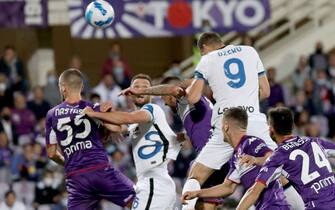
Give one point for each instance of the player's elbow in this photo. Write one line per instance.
(193, 98)
(51, 154)
(266, 93)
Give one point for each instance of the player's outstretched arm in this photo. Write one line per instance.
(264, 87)
(119, 118)
(54, 154)
(159, 90)
(222, 190)
(251, 196)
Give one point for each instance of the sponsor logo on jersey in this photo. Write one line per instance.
(249, 109)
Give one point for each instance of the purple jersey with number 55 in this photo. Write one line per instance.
(303, 160)
(77, 135)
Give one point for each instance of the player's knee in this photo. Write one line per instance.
(200, 172)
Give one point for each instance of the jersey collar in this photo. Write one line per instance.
(243, 138)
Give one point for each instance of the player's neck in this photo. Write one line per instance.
(281, 139)
(72, 99)
(237, 138)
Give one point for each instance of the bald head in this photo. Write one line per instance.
(72, 79)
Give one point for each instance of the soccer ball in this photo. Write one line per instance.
(99, 13)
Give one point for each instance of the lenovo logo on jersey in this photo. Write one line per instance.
(81, 145)
(249, 109)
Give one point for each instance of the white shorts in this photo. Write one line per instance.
(155, 193)
(217, 152)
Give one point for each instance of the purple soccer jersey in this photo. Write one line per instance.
(273, 197)
(303, 160)
(77, 135)
(90, 178)
(197, 121)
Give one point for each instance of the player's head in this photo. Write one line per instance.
(281, 122)
(141, 81)
(235, 121)
(70, 83)
(10, 198)
(170, 101)
(209, 41)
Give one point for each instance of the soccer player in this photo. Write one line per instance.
(153, 145)
(237, 78)
(89, 177)
(303, 160)
(196, 119)
(235, 123)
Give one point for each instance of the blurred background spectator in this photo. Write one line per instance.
(117, 66)
(11, 203)
(12, 67)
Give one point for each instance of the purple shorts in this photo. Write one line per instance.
(86, 189)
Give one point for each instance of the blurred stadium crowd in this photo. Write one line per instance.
(30, 181)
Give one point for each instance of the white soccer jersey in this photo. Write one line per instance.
(154, 142)
(232, 73)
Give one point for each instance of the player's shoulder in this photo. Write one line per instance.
(52, 111)
(152, 108)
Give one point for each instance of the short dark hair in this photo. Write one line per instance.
(10, 47)
(73, 78)
(281, 119)
(209, 38)
(141, 76)
(237, 114)
(10, 192)
(168, 80)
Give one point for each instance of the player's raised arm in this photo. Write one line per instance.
(264, 86)
(222, 190)
(159, 90)
(194, 92)
(251, 196)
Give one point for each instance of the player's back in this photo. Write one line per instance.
(307, 167)
(232, 73)
(77, 135)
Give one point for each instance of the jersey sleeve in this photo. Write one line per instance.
(259, 64)
(257, 147)
(272, 169)
(233, 175)
(50, 134)
(201, 71)
(328, 146)
(96, 107)
(150, 109)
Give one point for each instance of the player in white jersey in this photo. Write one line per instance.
(237, 78)
(153, 145)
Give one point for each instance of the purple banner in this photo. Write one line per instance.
(156, 18)
(23, 13)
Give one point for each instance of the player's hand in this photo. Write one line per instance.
(106, 106)
(130, 92)
(247, 160)
(188, 196)
(181, 137)
(88, 111)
